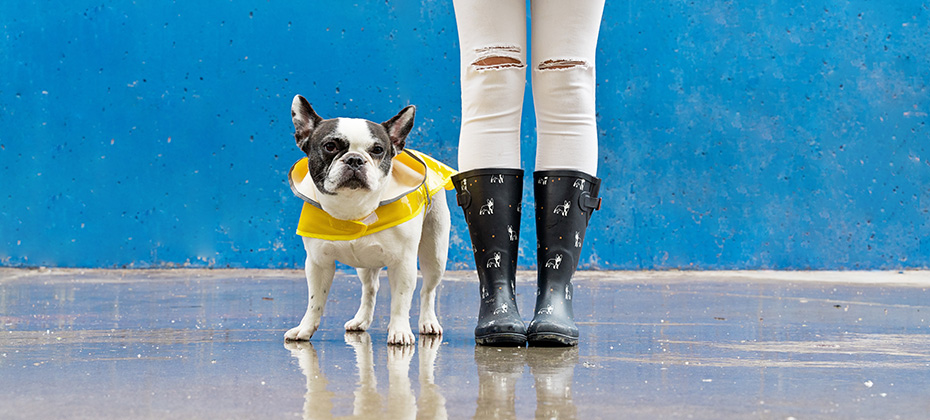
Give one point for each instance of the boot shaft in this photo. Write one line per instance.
(565, 201)
(491, 200)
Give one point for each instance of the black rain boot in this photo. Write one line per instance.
(564, 203)
(491, 201)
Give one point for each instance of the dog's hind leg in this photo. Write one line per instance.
(366, 308)
(433, 252)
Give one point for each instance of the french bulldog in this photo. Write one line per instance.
(350, 164)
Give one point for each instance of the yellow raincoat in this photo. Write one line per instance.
(417, 176)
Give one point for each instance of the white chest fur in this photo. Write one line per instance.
(379, 249)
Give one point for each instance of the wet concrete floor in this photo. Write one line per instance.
(209, 344)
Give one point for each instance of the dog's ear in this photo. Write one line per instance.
(305, 121)
(399, 126)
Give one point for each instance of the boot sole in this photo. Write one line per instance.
(501, 340)
(552, 340)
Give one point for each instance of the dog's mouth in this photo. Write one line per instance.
(352, 179)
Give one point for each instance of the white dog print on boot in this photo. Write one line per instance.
(495, 261)
(487, 208)
(554, 263)
(563, 208)
(512, 233)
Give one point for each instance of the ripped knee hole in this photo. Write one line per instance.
(491, 58)
(497, 62)
(561, 64)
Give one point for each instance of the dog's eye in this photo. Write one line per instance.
(330, 146)
(377, 150)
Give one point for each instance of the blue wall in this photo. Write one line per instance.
(784, 135)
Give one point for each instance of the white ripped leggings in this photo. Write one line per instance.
(492, 38)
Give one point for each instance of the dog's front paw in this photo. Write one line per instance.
(356, 324)
(430, 327)
(302, 332)
(401, 336)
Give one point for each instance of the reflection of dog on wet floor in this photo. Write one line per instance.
(399, 403)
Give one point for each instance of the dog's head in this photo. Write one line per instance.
(346, 156)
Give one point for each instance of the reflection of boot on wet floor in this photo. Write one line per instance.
(553, 369)
(318, 402)
(499, 368)
(432, 405)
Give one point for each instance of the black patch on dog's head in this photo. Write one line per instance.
(323, 147)
(387, 149)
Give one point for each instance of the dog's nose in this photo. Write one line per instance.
(354, 162)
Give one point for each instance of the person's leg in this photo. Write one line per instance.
(564, 46)
(492, 38)
(492, 42)
(565, 186)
